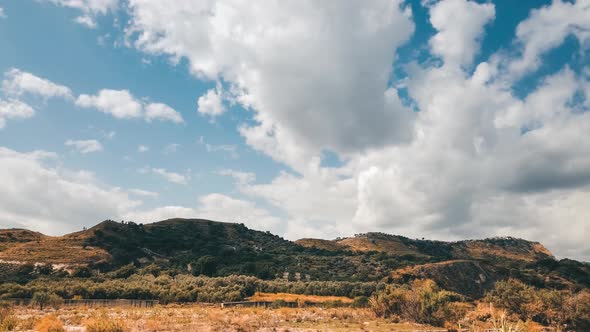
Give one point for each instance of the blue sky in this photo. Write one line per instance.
(444, 119)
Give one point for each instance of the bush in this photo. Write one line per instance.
(516, 297)
(44, 299)
(278, 303)
(360, 302)
(549, 307)
(104, 325)
(8, 321)
(49, 323)
(422, 301)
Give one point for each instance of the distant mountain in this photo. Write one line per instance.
(213, 248)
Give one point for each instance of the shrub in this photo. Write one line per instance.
(8, 321)
(360, 302)
(43, 299)
(104, 325)
(516, 297)
(422, 301)
(49, 323)
(549, 307)
(577, 311)
(278, 303)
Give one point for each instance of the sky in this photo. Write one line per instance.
(446, 119)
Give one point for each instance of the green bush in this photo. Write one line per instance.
(421, 301)
(360, 302)
(44, 299)
(549, 307)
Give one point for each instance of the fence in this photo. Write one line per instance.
(92, 303)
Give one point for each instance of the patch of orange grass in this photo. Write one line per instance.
(49, 323)
(288, 297)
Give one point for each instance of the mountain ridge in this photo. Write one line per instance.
(206, 247)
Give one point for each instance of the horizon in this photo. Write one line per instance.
(507, 237)
(446, 120)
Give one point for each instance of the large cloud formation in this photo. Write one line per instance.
(458, 154)
(472, 159)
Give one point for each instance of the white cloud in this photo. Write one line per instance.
(211, 103)
(53, 200)
(143, 148)
(123, 105)
(86, 20)
(217, 207)
(160, 213)
(119, 103)
(230, 149)
(14, 109)
(547, 28)
(143, 193)
(476, 160)
(17, 83)
(457, 38)
(170, 176)
(159, 111)
(239, 176)
(2, 13)
(89, 8)
(85, 146)
(469, 171)
(225, 208)
(313, 72)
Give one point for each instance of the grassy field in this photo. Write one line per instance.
(202, 318)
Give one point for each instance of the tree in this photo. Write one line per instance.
(44, 299)
(206, 265)
(516, 297)
(421, 301)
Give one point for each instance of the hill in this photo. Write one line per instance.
(210, 248)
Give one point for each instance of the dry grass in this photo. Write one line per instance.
(208, 319)
(321, 244)
(49, 323)
(287, 297)
(391, 246)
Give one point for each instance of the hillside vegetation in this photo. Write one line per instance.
(112, 250)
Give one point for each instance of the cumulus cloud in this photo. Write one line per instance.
(119, 103)
(217, 207)
(17, 83)
(479, 161)
(2, 13)
(89, 8)
(123, 105)
(547, 28)
(143, 148)
(86, 20)
(313, 72)
(14, 109)
(239, 176)
(457, 37)
(159, 111)
(211, 103)
(170, 176)
(85, 146)
(53, 200)
(474, 160)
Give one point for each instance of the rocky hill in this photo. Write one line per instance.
(205, 247)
